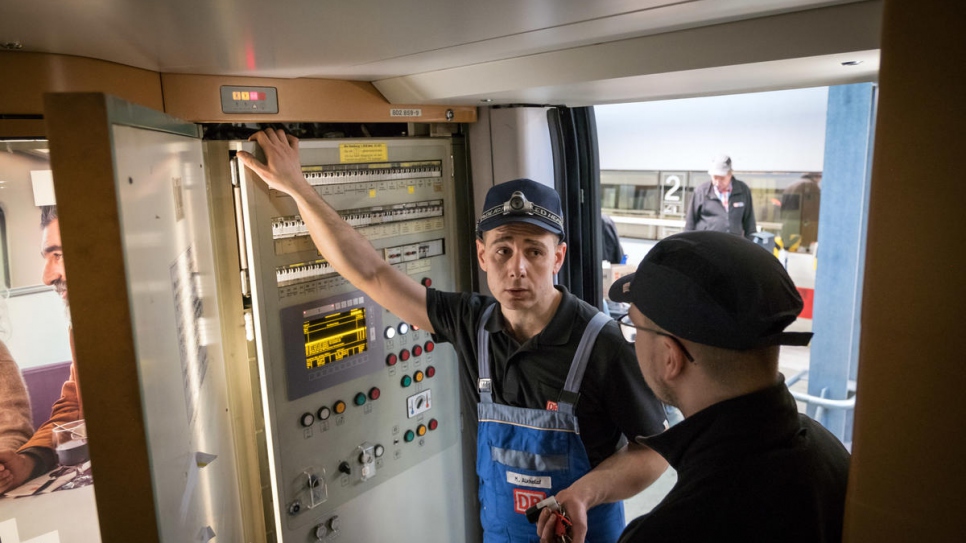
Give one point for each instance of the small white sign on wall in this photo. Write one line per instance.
(43, 182)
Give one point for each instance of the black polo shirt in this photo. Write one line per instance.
(614, 401)
(750, 469)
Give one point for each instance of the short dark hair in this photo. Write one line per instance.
(48, 214)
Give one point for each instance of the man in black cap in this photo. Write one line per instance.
(552, 414)
(707, 317)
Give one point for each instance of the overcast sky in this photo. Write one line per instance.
(766, 131)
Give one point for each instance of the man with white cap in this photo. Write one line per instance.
(708, 315)
(553, 409)
(723, 204)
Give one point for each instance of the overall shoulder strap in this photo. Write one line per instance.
(485, 382)
(579, 365)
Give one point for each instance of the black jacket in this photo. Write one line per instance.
(750, 469)
(706, 211)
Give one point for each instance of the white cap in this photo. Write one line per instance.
(721, 165)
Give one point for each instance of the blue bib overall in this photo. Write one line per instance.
(525, 455)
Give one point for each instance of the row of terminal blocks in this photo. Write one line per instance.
(361, 175)
(284, 227)
(305, 271)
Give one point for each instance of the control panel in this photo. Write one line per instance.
(362, 408)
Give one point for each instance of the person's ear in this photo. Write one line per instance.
(676, 361)
(560, 252)
(480, 253)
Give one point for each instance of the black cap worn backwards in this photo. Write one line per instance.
(715, 289)
(522, 200)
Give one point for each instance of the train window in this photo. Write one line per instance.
(24, 177)
(37, 322)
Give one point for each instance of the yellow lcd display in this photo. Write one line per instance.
(334, 337)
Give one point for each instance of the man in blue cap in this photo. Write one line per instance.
(707, 317)
(552, 414)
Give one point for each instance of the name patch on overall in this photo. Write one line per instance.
(525, 499)
(536, 481)
(738, 204)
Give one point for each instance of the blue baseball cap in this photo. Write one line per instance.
(715, 289)
(522, 200)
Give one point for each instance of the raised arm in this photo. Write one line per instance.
(346, 250)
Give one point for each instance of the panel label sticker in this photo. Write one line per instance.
(363, 152)
(405, 112)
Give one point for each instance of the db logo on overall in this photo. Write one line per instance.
(525, 499)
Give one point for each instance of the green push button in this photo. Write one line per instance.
(359, 399)
(409, 436)
(406, 381)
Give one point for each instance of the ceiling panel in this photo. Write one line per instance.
(362, 39)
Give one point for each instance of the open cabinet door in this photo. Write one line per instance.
(134, 216)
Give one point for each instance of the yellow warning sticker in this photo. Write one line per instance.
(363, 152)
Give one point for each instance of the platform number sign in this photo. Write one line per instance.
(673, 201)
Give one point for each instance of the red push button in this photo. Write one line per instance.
(374, 393)
(427, 282)
(430, 346)
(433, 424)
(392, 359)
(404, 355)
(417, 350)
(431, 372)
